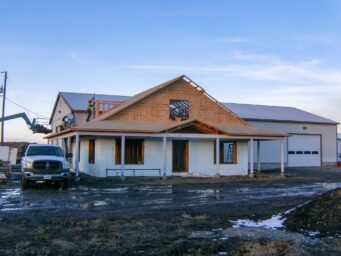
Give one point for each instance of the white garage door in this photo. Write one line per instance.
(304, 150)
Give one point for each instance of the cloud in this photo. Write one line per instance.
(267, 68)
(74, 56)
(235, 40)
(315, 39)
(244, 56)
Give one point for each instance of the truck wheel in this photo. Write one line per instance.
(24, 184)
(64, 184)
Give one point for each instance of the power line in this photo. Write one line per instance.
(28, 110)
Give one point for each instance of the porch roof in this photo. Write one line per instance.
(133, 126)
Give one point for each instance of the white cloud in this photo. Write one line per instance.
(243, 56)
(315, 39)
(268, 68)
(235, 40)
(74, 56)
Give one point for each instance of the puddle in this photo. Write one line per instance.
(115, 190)
(100, 203)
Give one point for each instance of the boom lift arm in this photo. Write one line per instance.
(33, 126)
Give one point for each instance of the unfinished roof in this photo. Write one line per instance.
(275, 113)
(79, 101)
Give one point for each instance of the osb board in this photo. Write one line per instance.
(156, 106)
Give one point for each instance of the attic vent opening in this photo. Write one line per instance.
(179, 109)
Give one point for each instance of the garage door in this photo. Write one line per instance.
(304, 150)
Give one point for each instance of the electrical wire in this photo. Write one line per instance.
(28, 110)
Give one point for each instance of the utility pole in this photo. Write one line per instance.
(3, 107)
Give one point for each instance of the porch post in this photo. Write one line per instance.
(69, 147)
(77, 155)
(123, 142)
(258, 156)
(217, 158)
(251, 158)
(282, 157)
(164, 162)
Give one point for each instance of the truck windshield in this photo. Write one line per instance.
(44, 151)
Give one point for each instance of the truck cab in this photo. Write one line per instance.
(44, 163)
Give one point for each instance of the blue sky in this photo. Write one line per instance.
(263, 52)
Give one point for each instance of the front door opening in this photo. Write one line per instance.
(180, 155)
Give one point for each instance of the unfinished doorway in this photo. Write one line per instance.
(180, 155)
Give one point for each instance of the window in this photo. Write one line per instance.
(299, 152)
(315, 152)
(291, 152)
(133, 151)
(91, 151)
(178, 109)
(227, 152)
(307, 152)
(44, 151)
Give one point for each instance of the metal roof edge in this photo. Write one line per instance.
(290, 121)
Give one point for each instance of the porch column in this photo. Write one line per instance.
(164, 161)
(258, 156)
(123, 142)
(69, 148)
(251, 158)
(282, 157)
(217, 158)
(77, 155)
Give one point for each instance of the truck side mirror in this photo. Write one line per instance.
(68, 155)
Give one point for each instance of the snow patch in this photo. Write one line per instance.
(274, 222)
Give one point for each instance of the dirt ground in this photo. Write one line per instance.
(176, 216)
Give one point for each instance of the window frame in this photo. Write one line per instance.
(177, 101)
(221, 152)
(129, 151)
(91, 151)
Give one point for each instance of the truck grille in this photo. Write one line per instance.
(47, 165)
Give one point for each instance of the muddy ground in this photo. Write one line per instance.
(155, 217)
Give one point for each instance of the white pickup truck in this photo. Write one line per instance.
(45, 163)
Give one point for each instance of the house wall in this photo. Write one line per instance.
(156, 106)
(339, 149)
(200, 159)
(62, 109)
(270, 150)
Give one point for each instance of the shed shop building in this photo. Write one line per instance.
(311, 140)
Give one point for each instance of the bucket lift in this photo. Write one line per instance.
(32, 125)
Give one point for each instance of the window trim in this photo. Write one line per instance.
(221, 152)
(92, 151)
(118, 151)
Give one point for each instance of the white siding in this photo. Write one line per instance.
(62, 110)
(200, 158)
(339, 150)
(270, 151)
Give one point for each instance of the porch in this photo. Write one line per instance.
(165, 154)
